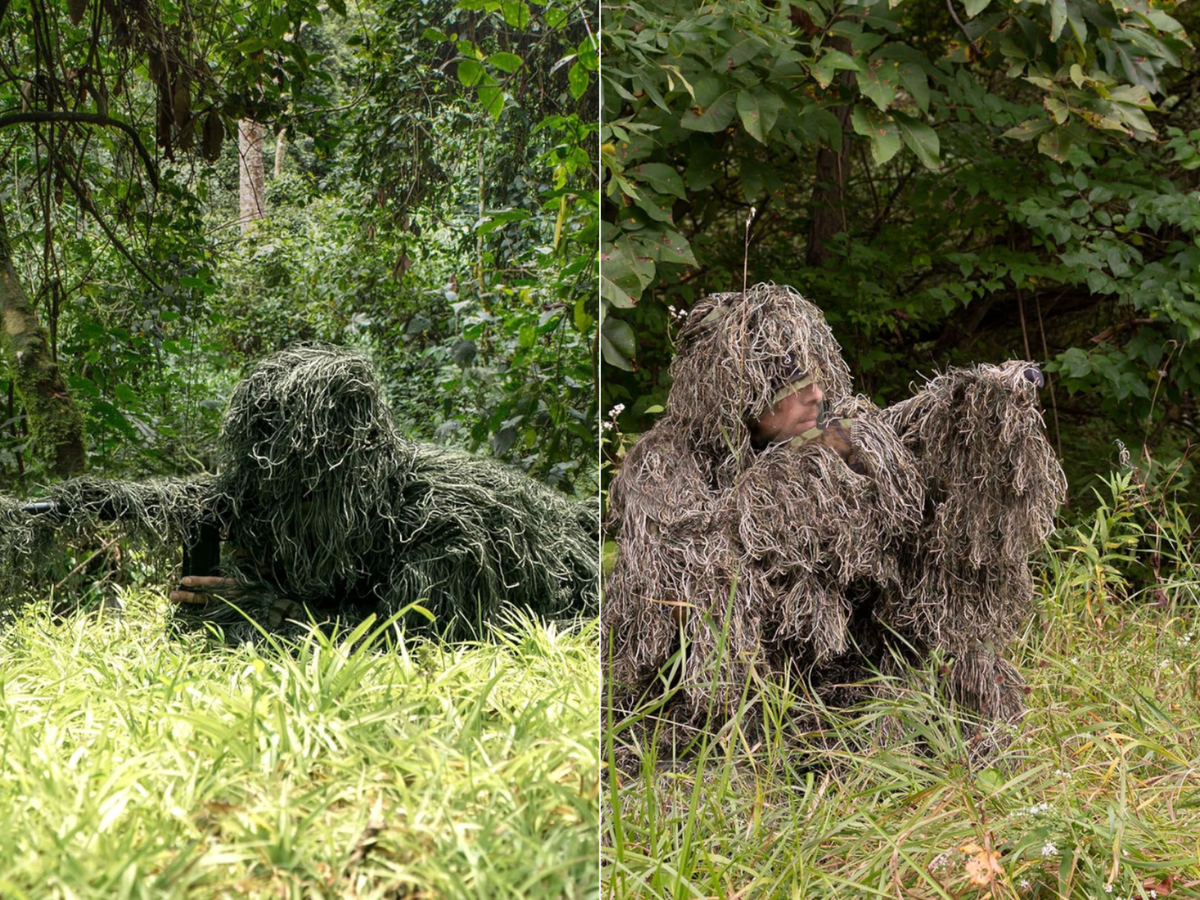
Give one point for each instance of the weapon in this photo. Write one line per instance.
(138, 504)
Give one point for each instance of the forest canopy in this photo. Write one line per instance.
(949, 181)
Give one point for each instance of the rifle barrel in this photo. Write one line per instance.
(40, 506)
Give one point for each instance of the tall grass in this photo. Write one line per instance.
(135, 763)
(1097, 795)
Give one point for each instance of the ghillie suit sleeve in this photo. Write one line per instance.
(326, 506)
(993, 486)
(812, 531)
(163, 513)
(672, 573)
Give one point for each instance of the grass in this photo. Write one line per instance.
(136, 763)
(1097, 796)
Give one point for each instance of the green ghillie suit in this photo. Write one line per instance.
(327, 508)
(805, 559)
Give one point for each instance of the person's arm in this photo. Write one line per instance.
(205, 587)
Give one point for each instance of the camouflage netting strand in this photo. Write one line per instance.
(326, 506)
(785, 561)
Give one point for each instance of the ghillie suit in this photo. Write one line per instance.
(993, 484)
(802, 559)
(327, 507)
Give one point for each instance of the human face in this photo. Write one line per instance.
(791, 416)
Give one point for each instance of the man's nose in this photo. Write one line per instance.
(817, 394)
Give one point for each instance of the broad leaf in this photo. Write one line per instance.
(880, 128)
(921, 139)
(717, 117)
(661, 177)
(758, 110)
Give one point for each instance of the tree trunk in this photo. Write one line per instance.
(280, 151)
(829, 191)
(54, 420)
(251, 177)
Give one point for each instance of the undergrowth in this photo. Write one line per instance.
(1096, 796)
(135, 763)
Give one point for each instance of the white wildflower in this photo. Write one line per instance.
(1048, 849)
(940, 863)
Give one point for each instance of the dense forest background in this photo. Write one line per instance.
(185, 187)
(951, 181)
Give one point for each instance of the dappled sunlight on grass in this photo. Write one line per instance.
(136, 763)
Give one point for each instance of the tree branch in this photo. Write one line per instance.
(86, 202)
(38, 116)
(963, 29)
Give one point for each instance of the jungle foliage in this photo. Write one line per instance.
(950, 181)
(433, 201)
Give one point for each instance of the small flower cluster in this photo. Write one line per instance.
(1049, 850)
(1036, 810)
(611, 422)
(677, 314)
(941, 862)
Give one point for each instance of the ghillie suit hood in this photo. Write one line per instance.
(732, 356)
(787, 562)
(325, 505)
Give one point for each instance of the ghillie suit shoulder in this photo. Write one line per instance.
(993, 486)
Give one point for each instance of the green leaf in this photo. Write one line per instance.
(470, 72)
(907, 64)
(1058, 18)
(338, 6)
(831, 62)
(618, 344)
(516, 13)
(662, 178)
(1027, 131)
(717, 117)
(492, 99)
(975, 7)
(921, 140)
(759, 111)
(877, 84)
(742, 52)
(577, 80)
(880, 128)
(614, 293)
(1055, 144)
(665, 246)
(500, 219)
(506, 62)
(250, 45)
(582, 319)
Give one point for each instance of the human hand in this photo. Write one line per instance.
(204, 588)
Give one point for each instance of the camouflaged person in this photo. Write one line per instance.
(772, 526)
(746, 518)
